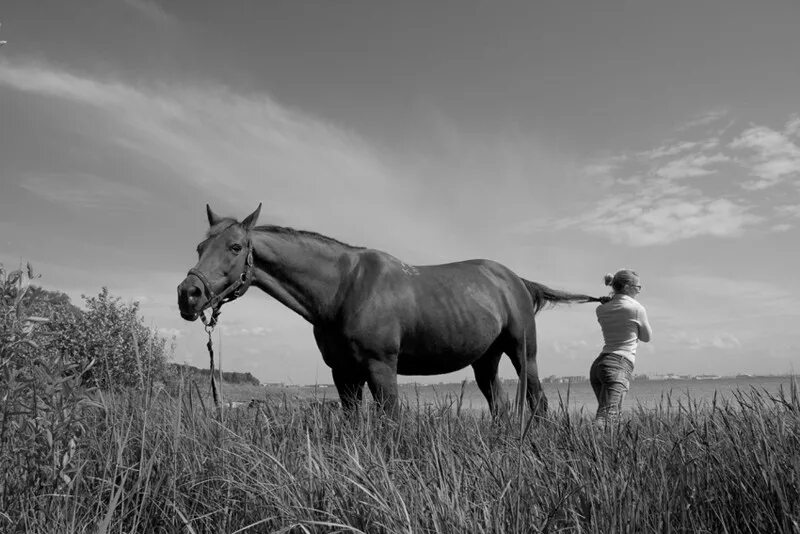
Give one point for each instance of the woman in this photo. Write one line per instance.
(624, 323)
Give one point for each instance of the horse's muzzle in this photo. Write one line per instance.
(191, 298)
(190, 316)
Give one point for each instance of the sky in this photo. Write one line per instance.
(563, 139)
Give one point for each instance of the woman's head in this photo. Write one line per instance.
(624, 281)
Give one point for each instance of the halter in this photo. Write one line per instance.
(228, 294)
(215, 302)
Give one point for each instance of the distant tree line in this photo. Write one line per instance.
(192, 372)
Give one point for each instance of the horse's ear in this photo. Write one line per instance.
(251, 219)
(213, 218)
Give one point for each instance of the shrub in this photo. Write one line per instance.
(40, 413)
(111, 332)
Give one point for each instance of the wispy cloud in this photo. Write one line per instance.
(693, 342)
(788, 210)
(84, 191)
(687, 188)
(771, 155)
(669, 149)
(755, 296)
(571, 348)
(705, 119)
(788, 215)
(691, 166)
(792, 127)
(657, 220)
(233, 146)
(151, 10)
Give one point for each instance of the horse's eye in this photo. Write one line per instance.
(236, 247)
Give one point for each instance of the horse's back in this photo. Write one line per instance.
(379, 272)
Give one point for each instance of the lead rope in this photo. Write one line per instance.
(208, 325)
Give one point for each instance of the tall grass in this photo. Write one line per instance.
(162, 460)
(159, 462)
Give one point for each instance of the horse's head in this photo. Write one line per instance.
(224, 270)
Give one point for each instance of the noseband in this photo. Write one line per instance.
(231, 292)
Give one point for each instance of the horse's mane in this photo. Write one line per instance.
(290, 233)
(294, 234)
(220, 227)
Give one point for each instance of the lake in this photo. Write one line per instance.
(579, 396)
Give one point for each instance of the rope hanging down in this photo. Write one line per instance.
(208, 325)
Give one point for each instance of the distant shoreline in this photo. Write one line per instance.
(565, 380)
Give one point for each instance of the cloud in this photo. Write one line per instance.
(151, 10)
(757, 297)
(792, 127)
(693, 342)
(659, 211)
(771, 172)
(691, 166)
(704, 120)
(670, 220)
(573, 347)
(45, 80)
(648, 200)
(671, 149)
(766, 142)
(232, 147)
(84, 191)
(600, 170)
(788, 210)
(772, 155)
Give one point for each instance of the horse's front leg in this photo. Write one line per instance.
(350, 385)
(382, 381)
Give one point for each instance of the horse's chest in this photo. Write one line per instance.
(337, 349)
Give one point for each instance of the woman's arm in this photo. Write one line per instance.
(645, 331)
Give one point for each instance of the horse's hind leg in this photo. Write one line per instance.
(485, 369)
(523, 355)
(350, 385)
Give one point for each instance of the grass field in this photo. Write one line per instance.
(157, 462)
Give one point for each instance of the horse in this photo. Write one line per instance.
(375, 317)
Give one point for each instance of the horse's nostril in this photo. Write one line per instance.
(194, 293)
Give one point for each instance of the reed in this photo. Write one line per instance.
(152, 459)
(169, 464)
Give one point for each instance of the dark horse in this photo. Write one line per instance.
(374, 316)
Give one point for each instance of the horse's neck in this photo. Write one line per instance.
(300, 272)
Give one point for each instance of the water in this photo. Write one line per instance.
(580, 397)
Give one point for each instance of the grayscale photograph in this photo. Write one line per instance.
(352, 266)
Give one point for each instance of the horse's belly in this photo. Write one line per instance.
(445, 344)
(434, 360)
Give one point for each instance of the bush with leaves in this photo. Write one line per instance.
(41, 408)
(111, 332)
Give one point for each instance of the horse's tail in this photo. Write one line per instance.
(543, 295)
